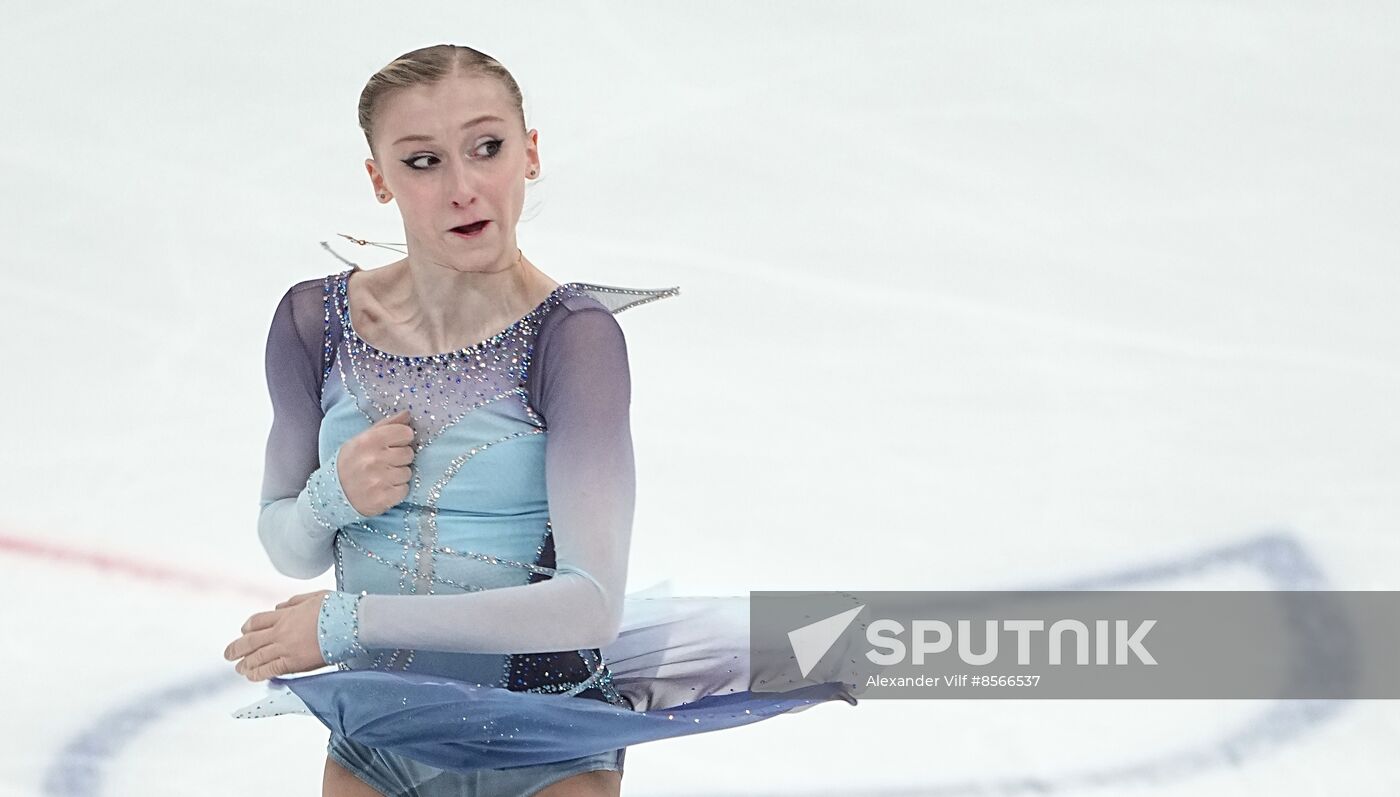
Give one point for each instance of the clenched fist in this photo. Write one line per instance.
(374, 465)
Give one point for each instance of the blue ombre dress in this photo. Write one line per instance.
(482, 640)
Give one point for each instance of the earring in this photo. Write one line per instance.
(532, 173)
(383, 195)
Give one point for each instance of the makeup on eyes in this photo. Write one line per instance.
(409, 161)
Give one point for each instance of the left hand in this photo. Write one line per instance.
(281, 641)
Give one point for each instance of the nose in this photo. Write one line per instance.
(460, 187)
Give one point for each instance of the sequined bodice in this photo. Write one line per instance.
(477, 514)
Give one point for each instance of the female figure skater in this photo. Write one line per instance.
(475, 499)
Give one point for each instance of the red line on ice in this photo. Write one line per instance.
(138, 569)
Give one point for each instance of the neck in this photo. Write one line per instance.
(445, 305)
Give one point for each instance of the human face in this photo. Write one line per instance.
(450, 154)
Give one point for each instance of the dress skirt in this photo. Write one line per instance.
(681, 665)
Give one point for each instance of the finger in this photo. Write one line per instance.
(395, 433)
(260, 652)
(398, 455)
(387, 438)
(259, 621)
(276, 666)
(258, 657)
(295, 599)
(400, 476)
(247, 643)
(402, 416)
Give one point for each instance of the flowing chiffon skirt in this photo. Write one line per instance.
(681, 662)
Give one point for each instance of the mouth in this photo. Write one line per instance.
(472, 230)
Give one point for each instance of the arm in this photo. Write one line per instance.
(302, 505)
(584, 395)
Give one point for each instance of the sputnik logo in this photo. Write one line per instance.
(811, 642)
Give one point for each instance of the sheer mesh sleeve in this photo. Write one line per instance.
(582, 386)
(302, 504)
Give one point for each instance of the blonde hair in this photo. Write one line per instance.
(429, 65)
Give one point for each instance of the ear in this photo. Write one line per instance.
(376, 179)
(532, 150)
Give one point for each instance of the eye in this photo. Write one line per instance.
(410, 161)
(495, 142)
(413, 161)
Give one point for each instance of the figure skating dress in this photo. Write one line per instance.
(481, 636)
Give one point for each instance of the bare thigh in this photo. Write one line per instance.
(598, 783)
(341, 782)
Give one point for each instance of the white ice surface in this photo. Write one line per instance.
(974, 295)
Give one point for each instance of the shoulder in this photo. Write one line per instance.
(579, 340)
(580, 359)
(301, 313)
(574, 298)
(308, 297)
(315, 284)
(579, 317)
(576, 311)
(586, 312)
(307, 293)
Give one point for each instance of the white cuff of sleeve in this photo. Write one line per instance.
(338, 626)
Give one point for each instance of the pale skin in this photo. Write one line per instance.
(447, 293)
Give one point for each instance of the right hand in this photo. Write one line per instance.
(374, 465)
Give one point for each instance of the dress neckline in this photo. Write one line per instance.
(348, 325)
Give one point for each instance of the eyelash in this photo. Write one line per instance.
(409, 161)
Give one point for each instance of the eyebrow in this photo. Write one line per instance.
(478, 120)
